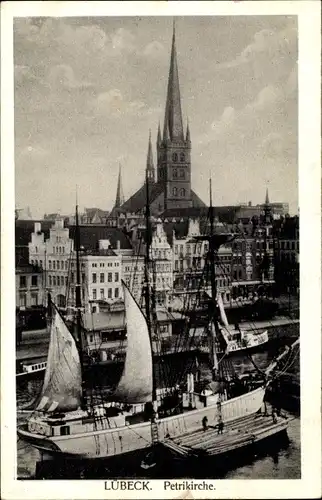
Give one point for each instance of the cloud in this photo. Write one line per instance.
(269, 95)
(272, 145)
(266, 42)
(63, 76)
(113, 102)
(123, 40)
(154, 50)
(226, 120)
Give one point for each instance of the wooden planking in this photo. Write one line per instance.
(236, 435)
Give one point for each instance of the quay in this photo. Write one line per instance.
(236, 434)
(34, 344)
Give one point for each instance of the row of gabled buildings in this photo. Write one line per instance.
(261, 254)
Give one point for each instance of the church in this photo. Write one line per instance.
(169, 185)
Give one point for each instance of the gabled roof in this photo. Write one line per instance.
(196, 201)
(24, 228)
(90, 235)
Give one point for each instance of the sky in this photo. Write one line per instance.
(87, 91)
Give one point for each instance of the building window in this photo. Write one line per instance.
(72, 277)
(174, 191)
(110, 277)
(22, 300)
(102, 293)
(54, 280)
(64, 431)
(54, 264)
(116, 293)
(23, 281)
(34, 280)
(94, 278)
(176, 265)
(175, 157)
(50, 280)
(102, 264)
(101, 277)
(34, 299)
(91, 337)
(109, 293)
(116, 277)
(182, 157)
(182, 192)
(94, 308)
(40, 263)
(58, 265)
(181, 173)
(94, 294)
(175, 173)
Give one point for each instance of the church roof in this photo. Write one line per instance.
(137, 201)
(225, 214)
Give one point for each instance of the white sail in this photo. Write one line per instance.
(61, 389)
(222, 311)
(136, 381)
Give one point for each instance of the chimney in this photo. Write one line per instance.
(104, 244)
(249, 203)
(118, 245)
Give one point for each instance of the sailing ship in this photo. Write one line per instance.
(72, 419)
(234, 338)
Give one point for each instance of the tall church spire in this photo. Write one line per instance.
(149, 162)
(266, 197)
(188, 132)
(173, 115)
(159, 140)
(119, 200)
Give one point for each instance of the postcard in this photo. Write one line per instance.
(161, 250)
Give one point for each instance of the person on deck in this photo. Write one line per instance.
(205, 423)
(220, 427)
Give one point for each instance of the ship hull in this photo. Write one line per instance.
(111, 442)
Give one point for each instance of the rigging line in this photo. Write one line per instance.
(291, 362)
(187, 368)
(195, 304)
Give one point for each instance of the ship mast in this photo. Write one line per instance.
(146, 272)
(79, 339)
(214, 307)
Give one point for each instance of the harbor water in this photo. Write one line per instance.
(277, 459)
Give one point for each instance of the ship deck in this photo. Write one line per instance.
(236, 435)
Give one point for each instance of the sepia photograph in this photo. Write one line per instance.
(157, 249)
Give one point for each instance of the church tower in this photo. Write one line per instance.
(119, 200)
(150, 173)
(174, 148)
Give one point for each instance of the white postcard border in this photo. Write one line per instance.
(309, 485)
